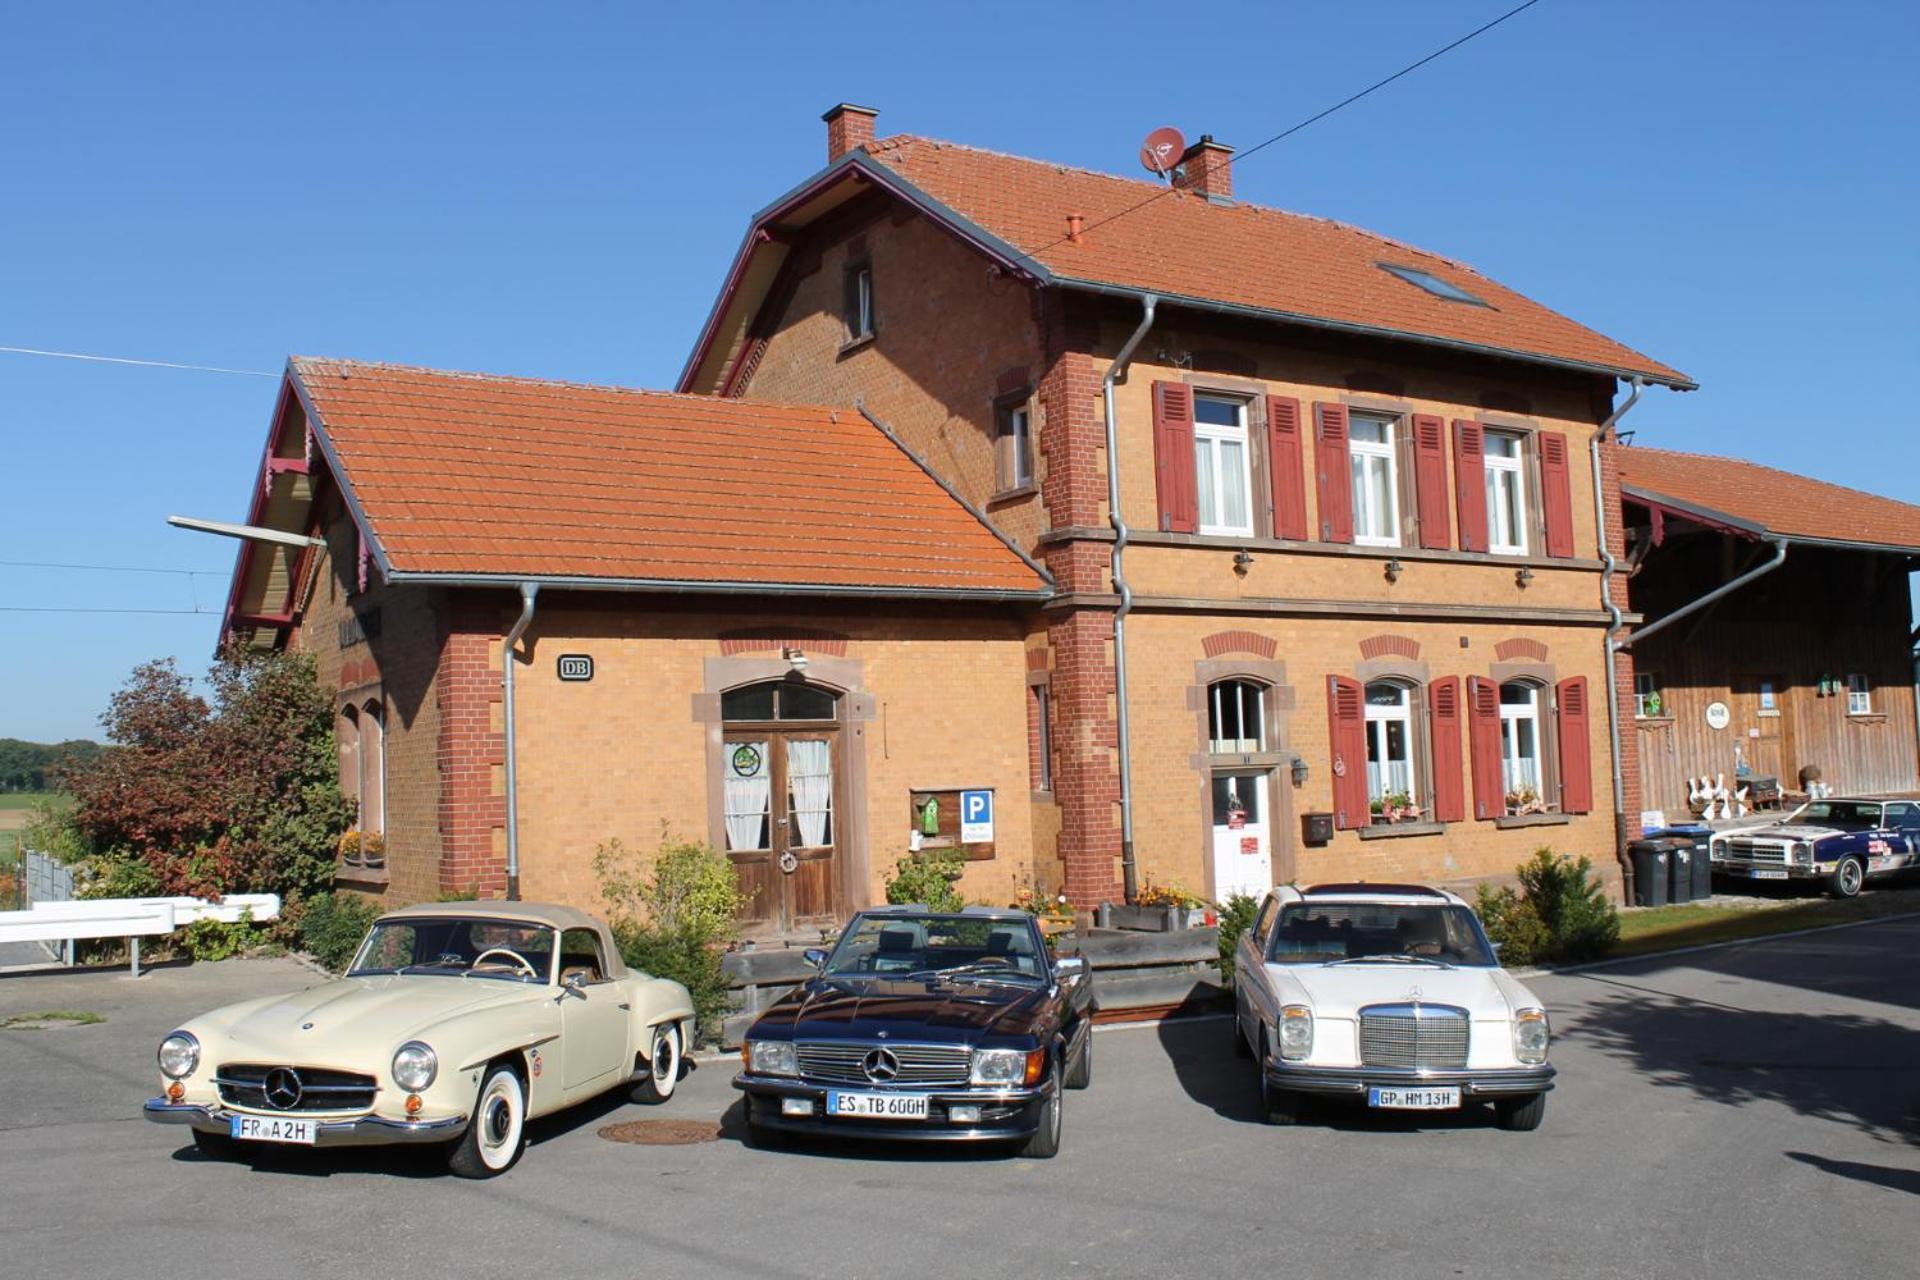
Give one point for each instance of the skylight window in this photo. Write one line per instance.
(1432, 284)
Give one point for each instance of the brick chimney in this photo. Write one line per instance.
(848, 127)
(1207, 169)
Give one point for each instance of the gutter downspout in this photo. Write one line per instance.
(1129, 873)
(1724, 589)
(528, 591)
(1615, 621)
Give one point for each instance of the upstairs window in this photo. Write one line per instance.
(1647, 702)
(1013, 444)
(859, 302)
(1376, 481)
(1432, 283)
(1223, 478)
(1506, 467)
(1236, 718)
(1859, 695)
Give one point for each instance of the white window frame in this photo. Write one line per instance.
(1369, 456)
(1512, 471)
(1645, 688)
(861, 321)
(1510, 756)
(1378, 720)
(1859, 694)
(1767, 695)
(1017, 422)
(1251, 699)
(1207, 438)
(1043, 729)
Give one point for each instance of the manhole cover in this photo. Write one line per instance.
(662, 1133)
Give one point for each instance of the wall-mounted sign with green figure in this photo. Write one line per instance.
(746, 760)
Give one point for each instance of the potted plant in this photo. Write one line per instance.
(1523, 800)
(1053, 910)
(362, 849)
(1396, 806)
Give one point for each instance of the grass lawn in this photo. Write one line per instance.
(28, 799)
(1695, 924)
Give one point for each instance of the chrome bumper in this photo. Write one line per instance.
(1743, 869)
(363, 1131)
(1016, 1111)
(1497, 1082)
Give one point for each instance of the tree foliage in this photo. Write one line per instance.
(35, 766)
(673, 917)
(1561, 914)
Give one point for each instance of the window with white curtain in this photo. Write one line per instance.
(1520, 755)
(1376, 481)
(747, 793)
(1236, 717)
(1506, 468)
(1223, 475)
(810, 792)
(1390, 743)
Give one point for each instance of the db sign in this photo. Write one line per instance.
(976, 817)
(576, 666)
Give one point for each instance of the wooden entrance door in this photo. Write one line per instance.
(781, 817)
(1759, 703)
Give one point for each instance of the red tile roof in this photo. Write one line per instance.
(1240, 254)
(1775, 502)
(462, 473)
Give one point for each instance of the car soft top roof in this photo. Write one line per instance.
(554, 915)
(971, 912)
(1362, 891)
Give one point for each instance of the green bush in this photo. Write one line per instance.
(674, 919)
(928, 880)
(217, 940)
(331, 926)
(1561, 914)
(1236, 917)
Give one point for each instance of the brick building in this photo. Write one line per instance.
(1222, 546)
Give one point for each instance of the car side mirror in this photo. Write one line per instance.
(575, 982)
(1497, 946)
(1070, 968)
(815, 957)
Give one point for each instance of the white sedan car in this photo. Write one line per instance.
(457, 1023)
(1389, 995)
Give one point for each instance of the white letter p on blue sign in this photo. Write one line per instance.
(976, 817)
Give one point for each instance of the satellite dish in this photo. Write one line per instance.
(1162, 150)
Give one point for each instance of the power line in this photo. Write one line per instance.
(151, 364)
(1310, 120)
(113, 568)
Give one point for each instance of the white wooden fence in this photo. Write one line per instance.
(66, 921)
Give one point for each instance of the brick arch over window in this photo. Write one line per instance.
(1520, 650)
(830, 643)
(1385, 646)
(1221, 643)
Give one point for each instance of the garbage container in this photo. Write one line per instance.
(1651, 859)
(1680, 866)
(1702, 872)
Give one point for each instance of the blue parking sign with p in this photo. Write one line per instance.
(976, 817)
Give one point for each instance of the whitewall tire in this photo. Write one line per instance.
(663, 1060)
(497, 1134)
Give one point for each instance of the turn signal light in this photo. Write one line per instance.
(176, 1091)
(413, 1104)
(1036, 1066)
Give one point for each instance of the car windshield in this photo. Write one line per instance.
(1379, 932)
(503, 949)
(1847, 815)
(939, 945)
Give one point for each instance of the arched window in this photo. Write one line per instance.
(1390, 772)
(1236, 717)
(1521, 758)
(373, 769)
(778, 700)
(347, 737)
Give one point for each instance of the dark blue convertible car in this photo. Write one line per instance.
(1838, 842)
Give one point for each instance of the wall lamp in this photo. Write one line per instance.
(795, 659)
(1522, 577)
(1242, 561)
(1394, 570)
(1299, 771)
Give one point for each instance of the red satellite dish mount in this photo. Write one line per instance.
(1162, 151)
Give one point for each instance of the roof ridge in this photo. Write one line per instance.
(899, 141)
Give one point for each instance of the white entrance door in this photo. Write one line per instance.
(1242, 835)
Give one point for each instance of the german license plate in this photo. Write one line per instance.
(1445, 1099)
(878, 1106)
(273, 1129)
(1768, 873)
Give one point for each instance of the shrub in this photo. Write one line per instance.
(1236, 917)
(1561, 915)
(674, 919)
(1512, 922)
(217, 940)
(331, 926)
(929, 880)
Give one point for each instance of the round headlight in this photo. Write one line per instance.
(179, 1055)
(1296, 1032)
(1530, 1036)
(414, 1066)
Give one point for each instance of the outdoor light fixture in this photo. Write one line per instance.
(1523, 577)
(1394, 570)
(795, 659)
(1242, 561)
(1299, 771)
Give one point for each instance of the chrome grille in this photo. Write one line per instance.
(1421, 1036)
(1753, 851)
(843, 1062)
(245, 1084)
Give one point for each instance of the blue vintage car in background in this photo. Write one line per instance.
(1840, 842)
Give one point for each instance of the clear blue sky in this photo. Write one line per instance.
(556, 189)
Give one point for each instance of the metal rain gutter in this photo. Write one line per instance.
(578, 582)
(1724, 589)
(1615, 621)
(1129, 872)
(528, 592)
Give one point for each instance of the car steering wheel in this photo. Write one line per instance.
(515, 956)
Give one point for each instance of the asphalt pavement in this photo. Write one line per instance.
(1750, 1111)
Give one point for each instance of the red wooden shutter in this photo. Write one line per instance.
(1288, 470)
(1483, 740)
(1449, 790)
(1430, 479)
(1576, 754)
(1334, 472)
(1556, 493)
(1470, 483)
(1173, 457)
(1347, 729)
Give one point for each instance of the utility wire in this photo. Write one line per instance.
(113, 568)
(1286, 133)
(151, 364)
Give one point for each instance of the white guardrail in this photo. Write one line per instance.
(130, 918)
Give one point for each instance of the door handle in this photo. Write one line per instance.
(625, 1006)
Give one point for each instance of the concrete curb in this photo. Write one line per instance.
(1559, 970)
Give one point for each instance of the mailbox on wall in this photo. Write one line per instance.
(1316, 829)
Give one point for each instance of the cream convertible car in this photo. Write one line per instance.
(457, 1023)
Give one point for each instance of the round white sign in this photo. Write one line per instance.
(1718, 717)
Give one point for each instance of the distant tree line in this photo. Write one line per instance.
(35, 766)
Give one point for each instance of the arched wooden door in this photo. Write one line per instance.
(781, 799)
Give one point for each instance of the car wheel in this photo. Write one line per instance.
(1847, 879)
(1278, 1106)
(1080, 1074)
(663, 1063)
(1520, 1115)
(215, 1146)
(1045, 1142)
(497, 1134)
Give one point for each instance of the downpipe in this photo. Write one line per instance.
(528, 592)
(1129, 872)
(1615, 621)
